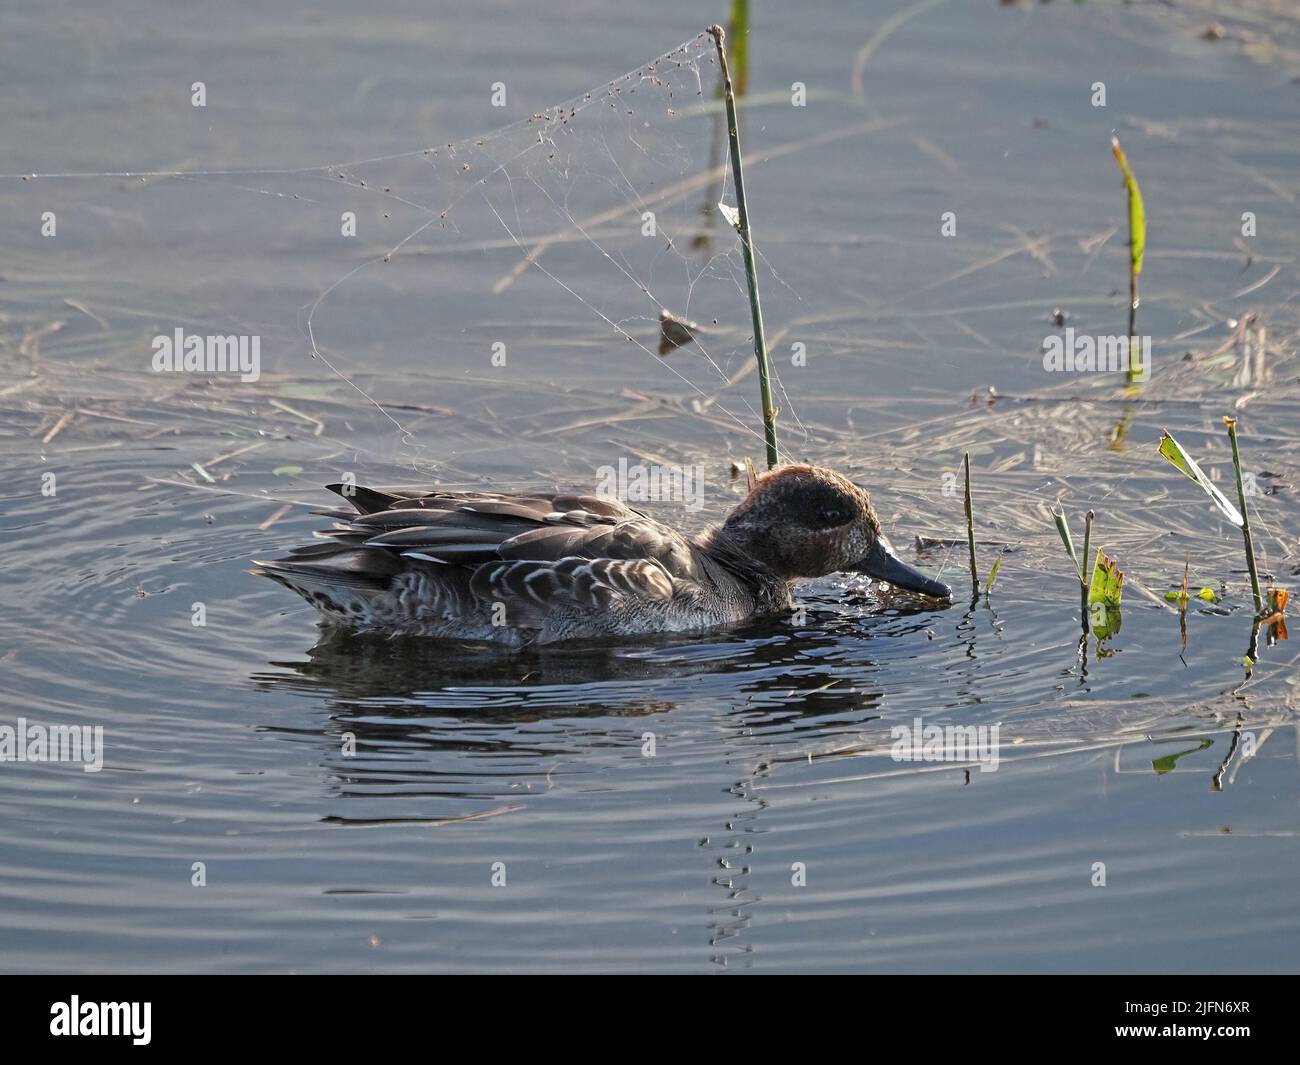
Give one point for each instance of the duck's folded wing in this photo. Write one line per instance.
(529, 591)
(532, 557)
(471, 529)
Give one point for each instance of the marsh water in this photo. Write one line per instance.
(275, 797)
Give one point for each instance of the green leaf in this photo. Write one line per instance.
(1169, 762)
(1104, 595)
(1208, 594)
(1063, 527)
(1107, 582)
(287, 471)
(1177, 457)
(1137, 215)
(1104, 621)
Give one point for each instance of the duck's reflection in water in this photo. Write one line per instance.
(401, 718)
(420, 732)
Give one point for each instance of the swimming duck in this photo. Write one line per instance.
(518, 568)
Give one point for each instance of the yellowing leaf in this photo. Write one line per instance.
(993, 574)
(1137, 215)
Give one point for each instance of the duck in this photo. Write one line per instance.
(518, 568)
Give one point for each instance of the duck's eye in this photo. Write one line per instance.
(834, 516)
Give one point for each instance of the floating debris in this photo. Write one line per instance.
(674, 332)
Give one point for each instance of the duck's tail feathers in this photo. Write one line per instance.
(366, 500)
(342, 585)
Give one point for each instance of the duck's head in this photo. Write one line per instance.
(805, 521)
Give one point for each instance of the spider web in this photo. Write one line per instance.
(598, 197)
(551, 245)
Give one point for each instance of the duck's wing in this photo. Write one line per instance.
(527, 551)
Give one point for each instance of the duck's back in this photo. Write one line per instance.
(510, 568)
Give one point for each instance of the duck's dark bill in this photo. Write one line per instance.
(883, 565)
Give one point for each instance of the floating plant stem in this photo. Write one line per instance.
(1231, 423)
(1137, 243)
(970, 528)
(1182, 609)
(747, 243)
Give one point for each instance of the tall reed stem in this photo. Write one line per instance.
(747, 243)
(1085, 574)
(1134, 369)
(970, 527)
(1231, 423)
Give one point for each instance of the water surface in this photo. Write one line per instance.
(350, 798)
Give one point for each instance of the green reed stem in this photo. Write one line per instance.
(1231, 423)
(970, 526)
(1134, 369)
(1085, 572)
(747, 243)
